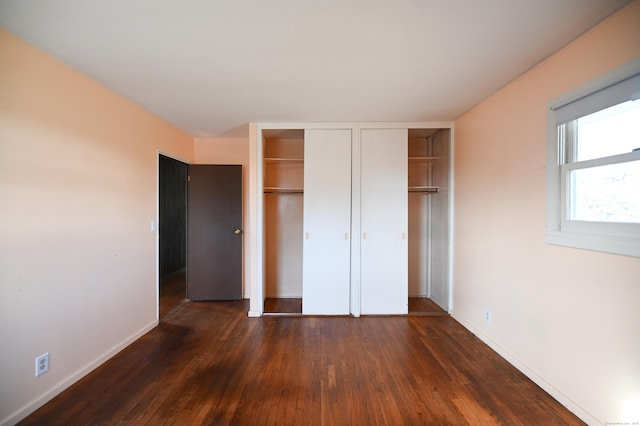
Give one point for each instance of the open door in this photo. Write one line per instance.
(214, 232)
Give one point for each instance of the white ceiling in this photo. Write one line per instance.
(212, 66)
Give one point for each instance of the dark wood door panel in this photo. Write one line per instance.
(214, 253)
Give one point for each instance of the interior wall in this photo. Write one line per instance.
(283, 238)
(78, 184)
(283, 218)
(569, 318)
(231, 151)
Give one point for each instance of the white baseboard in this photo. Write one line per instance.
(442, 304)
(38, 402)
(531, 374)
(80, 373)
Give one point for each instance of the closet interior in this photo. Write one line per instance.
(283, 185)
(427, 197)
(428, 202)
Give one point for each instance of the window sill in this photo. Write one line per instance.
(627, 246)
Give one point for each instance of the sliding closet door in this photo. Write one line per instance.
(384, 221)
(327, 222)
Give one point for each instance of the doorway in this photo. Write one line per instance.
(172, 233)
(199, 233)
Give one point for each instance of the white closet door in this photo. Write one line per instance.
(384, 221)
(327, 222)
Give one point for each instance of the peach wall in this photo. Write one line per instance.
(568, 318)
(230, 151)
(78, 191)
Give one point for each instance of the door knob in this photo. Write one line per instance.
(238, 231)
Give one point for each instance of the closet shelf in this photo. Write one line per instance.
(423, 159)
(278, 190)
(280, 160)
(428, 189)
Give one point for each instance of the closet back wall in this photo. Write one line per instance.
(283, 210)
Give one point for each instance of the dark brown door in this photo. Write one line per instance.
(214, 235)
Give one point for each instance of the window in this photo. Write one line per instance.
(593, 165)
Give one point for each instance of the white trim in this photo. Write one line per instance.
(256, 300)
(157, 232)
(38, 402)
(256, 243)
(356, 125)
(605, 244)
(600, 83)
(616, 238)
(451, 212)
(527, 371)
(356, 229)
(602, 161)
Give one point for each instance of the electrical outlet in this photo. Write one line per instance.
(487, 316)
(42, 364)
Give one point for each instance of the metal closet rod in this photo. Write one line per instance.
(287, 191)
(426, 190)
(282, 191)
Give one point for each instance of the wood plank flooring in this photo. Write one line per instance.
(173, 293)
(208, 363)
(424, 305)
(421, 305)
(282, 305)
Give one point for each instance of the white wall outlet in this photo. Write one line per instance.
(487, 316)
(42, 364)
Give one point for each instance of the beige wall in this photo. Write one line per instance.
(78, 191)
(230, 151)
(569, 318)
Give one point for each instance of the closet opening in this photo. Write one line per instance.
(172, 230)
(355, 222)
(428, 232)
(283, 185)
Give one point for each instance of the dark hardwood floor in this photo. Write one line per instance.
(173, 293)
(417, 305)
(283, 305)
(424, 305)
(208, 363)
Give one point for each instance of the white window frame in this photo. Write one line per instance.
(618, 238)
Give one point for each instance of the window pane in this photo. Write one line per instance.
(612, 131)
(607, 193)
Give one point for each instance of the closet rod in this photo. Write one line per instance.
(427, 190)
(280, 191)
